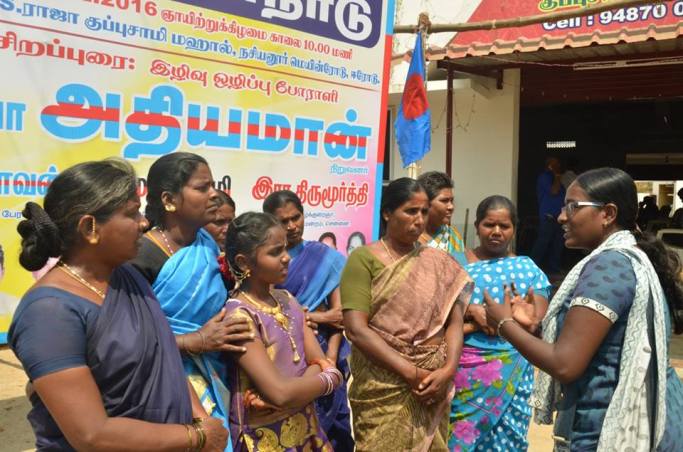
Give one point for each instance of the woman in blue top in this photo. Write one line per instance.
(100, 355)
(604, 346)
(180, 260)
(493, 381)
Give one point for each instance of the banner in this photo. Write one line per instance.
(275, 94)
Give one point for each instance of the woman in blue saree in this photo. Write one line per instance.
(179, 258)
(105, 370)
(314, 276)
(494, 381)
(438, 232)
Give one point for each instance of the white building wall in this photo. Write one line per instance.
(485, 143)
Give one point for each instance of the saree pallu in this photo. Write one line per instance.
(190, 290)
(448, 239)
(493, 382)
(314, 273)
(491, 407)
(133, 356)
(411, 303)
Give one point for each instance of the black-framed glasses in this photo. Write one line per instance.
(570, 208)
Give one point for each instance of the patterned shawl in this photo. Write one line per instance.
(626, 425)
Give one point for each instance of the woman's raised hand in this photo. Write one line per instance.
(220, 334)
(495, 312)
(525, 310)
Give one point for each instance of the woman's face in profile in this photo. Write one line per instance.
(197, 203)
(218, 228)
(120, 235)
(583, 225)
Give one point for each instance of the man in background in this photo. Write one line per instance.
(547, 250)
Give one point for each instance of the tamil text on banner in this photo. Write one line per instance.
(275, 94)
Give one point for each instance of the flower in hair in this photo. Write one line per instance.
(226, 273)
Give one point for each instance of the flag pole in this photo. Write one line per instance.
(423, 24)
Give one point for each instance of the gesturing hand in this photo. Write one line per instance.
(496, 312)
(221, 334)
(525, 310)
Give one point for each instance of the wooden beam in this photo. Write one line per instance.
(527, 20)
(494, 74)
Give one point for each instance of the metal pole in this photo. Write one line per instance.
(449, 124)
(423, 25)
(465, 227)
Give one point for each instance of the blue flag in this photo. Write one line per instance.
(413, 125)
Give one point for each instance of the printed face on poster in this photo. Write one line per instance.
(275, 94)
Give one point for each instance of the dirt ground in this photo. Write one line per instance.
(16, 434)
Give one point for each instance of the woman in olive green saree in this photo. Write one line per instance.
(403, 305)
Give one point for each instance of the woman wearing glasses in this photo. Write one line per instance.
(604, 344)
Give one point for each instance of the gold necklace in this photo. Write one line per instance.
(163, 236)
(386, 248)
(75, 275)
(279, 316)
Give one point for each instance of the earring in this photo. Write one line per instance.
(240, 276)
(169, 208)
(94, 240)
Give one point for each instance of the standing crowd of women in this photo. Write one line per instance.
(190, 328)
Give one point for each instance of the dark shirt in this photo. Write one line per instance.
(548, 204)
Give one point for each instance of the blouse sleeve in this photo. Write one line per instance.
(607, 285)
(540, 282)
(234, 309)
(356, 282)
(50, 335)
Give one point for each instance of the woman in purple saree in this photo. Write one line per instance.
(314, 276)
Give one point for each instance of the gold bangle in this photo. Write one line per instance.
(202, 436)
(202, 348)
(189, 438)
